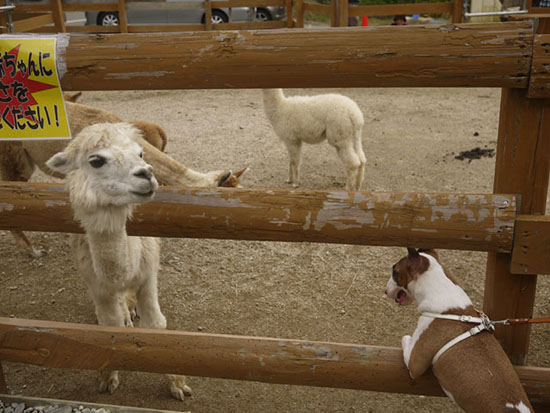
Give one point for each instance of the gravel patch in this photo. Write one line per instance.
(6, 407)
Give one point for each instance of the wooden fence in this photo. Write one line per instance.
(267, 360)
(339, 10)
(50, 17)
(506, 55)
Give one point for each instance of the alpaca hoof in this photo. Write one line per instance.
(109, 382)
(134, 316)
(179, 393)
(157, 322)
(37, 253)
(178, 389)
(187, 391)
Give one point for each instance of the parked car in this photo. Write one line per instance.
(185, 15)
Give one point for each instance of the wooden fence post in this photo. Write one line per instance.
(207, 15)
(58, 16)
(334, 4)
(122, 18)
(522, 167)
(343, 13)
(289, 14)
(299, 14)
(458, 11)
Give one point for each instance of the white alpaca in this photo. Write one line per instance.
(106, 177)
(312, 119)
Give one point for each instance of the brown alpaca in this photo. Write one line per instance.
(18, 160)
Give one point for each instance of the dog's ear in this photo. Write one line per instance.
(430, 251)
(412, 252)
(416, 263)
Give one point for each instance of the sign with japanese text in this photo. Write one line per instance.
(31, 100)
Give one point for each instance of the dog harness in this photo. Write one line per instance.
(483, 323)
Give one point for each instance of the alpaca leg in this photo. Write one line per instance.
(295, 157)
(16, 165)
(25, 244)
(148, 306)
(109, 313)
(152, 317)
(352, 163)
(362, 159)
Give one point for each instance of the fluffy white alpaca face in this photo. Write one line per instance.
(104, 166)
(119, 174)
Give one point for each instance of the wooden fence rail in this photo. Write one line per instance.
(487, 55)
(472, 222)
(455, 221)
(269, 360)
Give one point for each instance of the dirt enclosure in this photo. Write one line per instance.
(304, 291)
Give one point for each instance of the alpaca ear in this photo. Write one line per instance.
(61, 163)
(232, 179)
(242, 171)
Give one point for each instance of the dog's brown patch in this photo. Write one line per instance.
(409, 268)
(401, 273)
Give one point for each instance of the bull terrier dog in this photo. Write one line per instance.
(472, 369)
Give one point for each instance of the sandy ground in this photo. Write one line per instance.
(307, 291)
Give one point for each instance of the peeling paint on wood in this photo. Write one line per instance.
(475, 222)
(539, 83)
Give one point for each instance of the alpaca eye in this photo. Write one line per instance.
(141, 154)
(97, 162)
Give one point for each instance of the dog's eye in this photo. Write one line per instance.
(393, 272)
(97, 161)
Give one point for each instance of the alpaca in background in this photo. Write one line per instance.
(312, 119)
